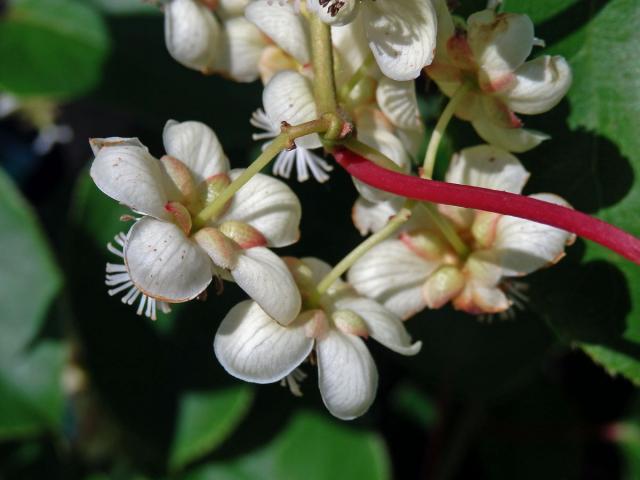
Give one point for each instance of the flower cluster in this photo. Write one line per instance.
(335, 73)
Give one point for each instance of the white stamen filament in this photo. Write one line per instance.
(117, 276)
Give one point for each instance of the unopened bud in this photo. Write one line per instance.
(443, 285)
(350, 322)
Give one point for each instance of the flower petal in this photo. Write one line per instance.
(393, 275)
(125, 170)
(197, 146)
(383, 326)
(540, 85)
(288, 97)
(398, 102)
(282, 24)
(347, 375)
(269, 206)
(191, 34)
(164, 264)
(516, 140)
(402, 36)
(267, 280)
(241, 46)
(500, 42)
(253, 347)
(523, 246)
(335, 12)
(369, 217)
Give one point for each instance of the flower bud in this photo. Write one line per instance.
(442, 286)
(243, 234)
(350, 322)
(222, 250)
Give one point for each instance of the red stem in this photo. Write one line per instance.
(493, 201)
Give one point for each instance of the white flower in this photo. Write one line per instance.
(401, 33)
(167, 258)
(214, 37)
(251, 346)
(421, 269)
(490, 56)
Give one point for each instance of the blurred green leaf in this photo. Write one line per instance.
(30, 390)
(538, 10)
(29, 278)
(51, 47)
(311, 447)
(126, 7)
(205, 419)
(410, 401)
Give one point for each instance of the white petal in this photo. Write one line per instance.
(282, 24)
(347, 375)
(352, 49)
(540, 85)
(393, 275)
(402, 36)
(488, 167)
(267, 280)
(165, 264)
(383, 326)
(516, 140)
(500, 44)
(269, 206)
(288, 97)
(129, 174)
(191, 33)
(231, 8)
(319, 268)
(253, 347)
(398, 102)
(335, 12)
(523, 246)
(197, 146)
(240, 49)
(369, 217)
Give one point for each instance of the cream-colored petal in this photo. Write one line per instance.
(540, 85)
(191, 33)
(398, 102)
(197, 146)
(282, 24)
(253, 347)
(269, 206)
(125, 170)
(164, 264)
(288, 97)
(352, 50)
(267, 280)
(500, 43)
(517, 140)
(369, 217)
(347, 375)
(240, 50)
(383, 326)
(231, 8)
(523, 246)
(402, 36)
(393, 275)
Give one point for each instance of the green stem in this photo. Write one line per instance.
(357, 77)
(324, 86)
(447, 229)
(369, 153)
(389, 229)
(441, 126)
(282, 141)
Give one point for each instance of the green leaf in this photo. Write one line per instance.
(605, 99)
(29, 278)
(52, 47)
(538, 10)
(126, 7)
(30, 391)
(205, 419)
(311, 447)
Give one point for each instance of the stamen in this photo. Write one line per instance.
(118, 276)
(292, 382)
